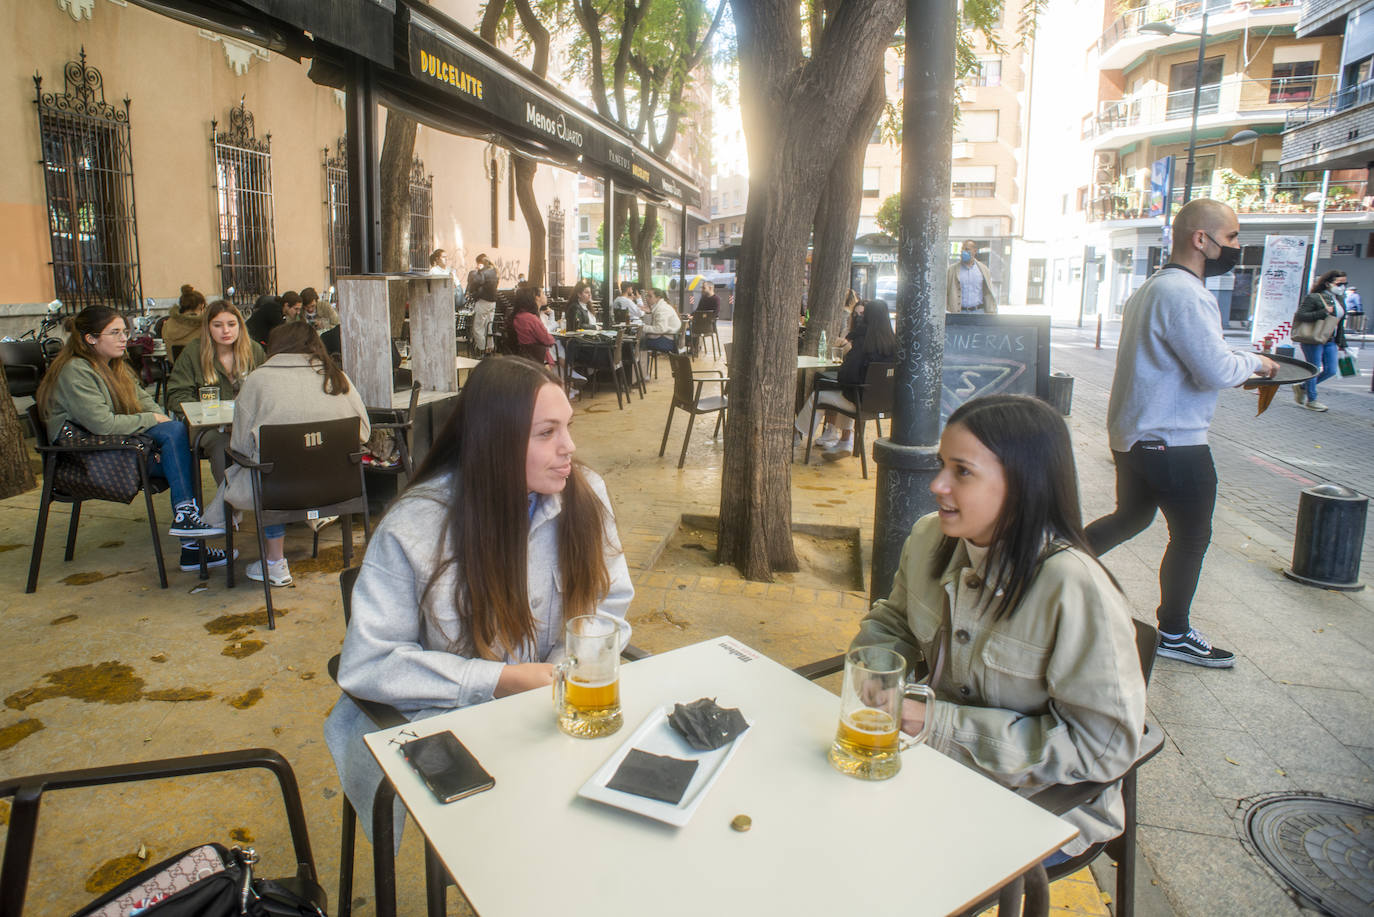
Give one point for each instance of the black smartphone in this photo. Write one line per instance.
(446, 766)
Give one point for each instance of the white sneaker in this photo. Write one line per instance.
(827, 439)
(836, 451)
(1316, 406)
(278, 573)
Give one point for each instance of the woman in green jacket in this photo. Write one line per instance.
(221, 357)
(91, 386)
(1026, 637)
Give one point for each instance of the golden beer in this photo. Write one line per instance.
(866, 745)
(589, 710)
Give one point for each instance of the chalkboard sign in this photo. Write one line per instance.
(992, 354)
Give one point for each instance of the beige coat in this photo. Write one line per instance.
(954, 302)
(1052, 695)
(285, 389)
(181, 328)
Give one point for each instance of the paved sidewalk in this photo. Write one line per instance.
(111, 668)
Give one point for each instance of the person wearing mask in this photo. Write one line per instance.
(969, 283)
(481, 293)
(661, 324)
(319, 315)
(267, 314)
(1171, 364)
(298, 383)
(471, 574)
(91, 386)
(879, 345)
(222, 356)
(1325, 300)
(183, 325)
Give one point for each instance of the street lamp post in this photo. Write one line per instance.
(1166, 29)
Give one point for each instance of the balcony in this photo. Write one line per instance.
(1123, 42)
(1335, 133)
(1236, 100)
(1246, 196)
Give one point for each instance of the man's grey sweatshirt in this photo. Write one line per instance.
(1171, 362)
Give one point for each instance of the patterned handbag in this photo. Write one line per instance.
(100, 475)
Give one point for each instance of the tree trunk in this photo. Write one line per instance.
(837, 219)
(529, 209)
(16, 474)
(398, 152)
(798, 113)
(641, 231)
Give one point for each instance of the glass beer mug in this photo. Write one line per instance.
(586, 684)
(869, 742)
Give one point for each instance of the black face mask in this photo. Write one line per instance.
(1226, 259)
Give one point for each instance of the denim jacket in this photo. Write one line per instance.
(1052, 694)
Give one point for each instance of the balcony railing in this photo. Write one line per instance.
(1348, 97)
(1178, 12)
(1232, 94)
(1244, 195)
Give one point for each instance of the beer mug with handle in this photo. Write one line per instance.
(586, 684)
(869, 742)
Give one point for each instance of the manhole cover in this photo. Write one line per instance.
(1322, 847)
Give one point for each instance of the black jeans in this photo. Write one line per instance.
(1182, 482)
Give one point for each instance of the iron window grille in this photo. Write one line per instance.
(421, 216)
(88, 177)
(243, 190)
(336, 210)
(556, 217)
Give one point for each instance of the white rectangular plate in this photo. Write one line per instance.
(657, 737)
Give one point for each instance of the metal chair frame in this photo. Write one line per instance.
(688, 399)
(873, 399)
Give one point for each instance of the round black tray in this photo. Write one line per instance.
(1291, 371)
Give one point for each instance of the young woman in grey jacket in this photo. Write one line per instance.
(1025, 636)
(442, 616)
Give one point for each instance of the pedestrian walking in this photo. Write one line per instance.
(970, 283)
(1323, 312)
(1172, 362)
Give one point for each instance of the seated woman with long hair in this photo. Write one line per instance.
(91, 386)
(470, 576)
(532, 339)
(298, 383)
(1025, 636)
(878, 345)
(222, 356)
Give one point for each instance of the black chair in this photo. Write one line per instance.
(679, 343)
(462, 327)
(26, 794)
(151, 370)
(630, 351)
(703, 330)
(400, 421)
(601, 354)
(1062, 798)
(687, 396)
(304, 468)
(50, 495)
(384, 716)
(872, 400)
(24, 363)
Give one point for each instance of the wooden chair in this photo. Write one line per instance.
(306, 470)
(873, 400)
(687, 396)
(26, 795)
(1062, 798)
(51, 495)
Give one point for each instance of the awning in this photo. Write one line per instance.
(289, 27)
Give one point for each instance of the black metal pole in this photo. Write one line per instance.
(364, 176)
(682, 265)
(1197, 100)
(907, 461)
(612, 269)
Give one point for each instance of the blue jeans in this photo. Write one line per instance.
(1322, 356)
(173, 462)
(661, 344)
(274, 531)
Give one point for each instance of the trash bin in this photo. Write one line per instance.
(1329, 538)
(1061, 392)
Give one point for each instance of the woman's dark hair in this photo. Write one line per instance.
(487, 522)
(878, 337)
(1324, 279)
(299, 337)
(266, 315)
(116, 374)
(524, 300)
(1040, 506)
(191, 299)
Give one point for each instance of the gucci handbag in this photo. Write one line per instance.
(104, 474)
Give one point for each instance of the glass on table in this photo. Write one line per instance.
(869, 742)
(209, 401)
(586, 684)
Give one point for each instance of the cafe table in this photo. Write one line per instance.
(807, 370)
(932, 840)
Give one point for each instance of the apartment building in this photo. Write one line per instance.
(1098, 228)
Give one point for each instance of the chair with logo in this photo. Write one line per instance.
(872, 401)
(305, 471)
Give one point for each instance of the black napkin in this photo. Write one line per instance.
(705, 725)
(653, 776)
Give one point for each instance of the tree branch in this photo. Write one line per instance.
(538, 34)
(491, 19)
(590, 21)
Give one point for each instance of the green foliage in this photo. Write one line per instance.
(623, 246)
(889, 215)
